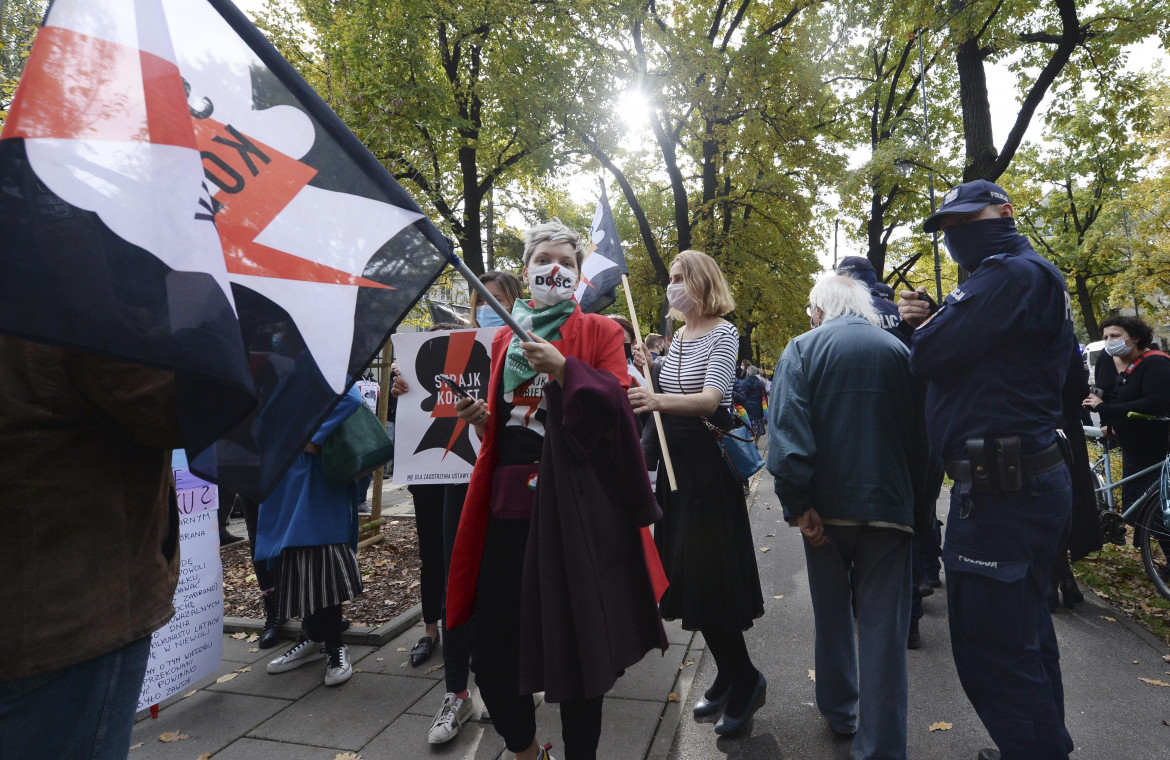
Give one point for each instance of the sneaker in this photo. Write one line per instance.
(449, 718)
(364, 508)
(302, 652)
(914, 639)
(339, 669)
(545, 754)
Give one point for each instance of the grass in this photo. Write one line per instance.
(1117, 575)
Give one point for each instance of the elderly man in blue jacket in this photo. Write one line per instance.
(847, 446)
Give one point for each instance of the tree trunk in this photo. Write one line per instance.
(874, 229)
(979, 138)
(471, 241)
(1088, 315)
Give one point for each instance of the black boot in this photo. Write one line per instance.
(271, 633)
(1053, 595)
(1071, 592)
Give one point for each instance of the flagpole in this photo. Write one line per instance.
(486, 296)
(650, 385)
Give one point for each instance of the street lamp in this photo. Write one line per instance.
(926, 136)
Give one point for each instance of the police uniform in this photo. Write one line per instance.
(995, 356)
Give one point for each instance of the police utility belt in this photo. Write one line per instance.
(997, 465)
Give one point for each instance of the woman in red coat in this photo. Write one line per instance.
(560, 482)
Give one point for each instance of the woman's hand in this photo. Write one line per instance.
(1091, 402)
(643, 400)
(399, 387)
(543, 356)
(474, 412)
(641, 357)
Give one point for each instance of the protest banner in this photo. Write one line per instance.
(432, 445)
(189, 647)
(370, 392)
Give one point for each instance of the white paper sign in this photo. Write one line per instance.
(431, 443)
(189, 647)
(370, 392)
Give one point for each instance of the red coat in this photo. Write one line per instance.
(596, 341)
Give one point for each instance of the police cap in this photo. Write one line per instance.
(965, 198)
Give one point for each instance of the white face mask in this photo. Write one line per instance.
(551, 283)
(1116, 347)
(676, 296)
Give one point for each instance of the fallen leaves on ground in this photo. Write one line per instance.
(139, 744)
(379, 659)
(204, 756)
(672, 697)
(401, 649)
(172, 736)
(769, 535)
(812, 675)
(247, 669)
(433, 668)
(253, 650)
(347, 756)
(765, 549)
(1116, 573)
(225, 679)
(191, 693)
(253, 638)
(941, 725)
(1106, 617)
(686, 664)
(1153, 681)
(778, 596)
(387, 569)
(239, 635)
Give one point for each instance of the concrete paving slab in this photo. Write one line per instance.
(397, 663)
(212, 720)
(627, 727)
(257, 749)
(236, 650)
(225, 667)
(653, 677)
(407, 738)
(258, 682)
(346, 716)
(675, 633)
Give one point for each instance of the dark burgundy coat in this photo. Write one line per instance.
(588, 609)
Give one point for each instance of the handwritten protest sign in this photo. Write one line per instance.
(189, 647)
(432, 445)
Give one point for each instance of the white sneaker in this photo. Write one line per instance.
(302, 652)
(339, 669)
(449, 718)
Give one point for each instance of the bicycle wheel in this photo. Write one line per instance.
(1112, 526)
(1153, 541)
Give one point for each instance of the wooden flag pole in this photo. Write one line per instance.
(650, 385)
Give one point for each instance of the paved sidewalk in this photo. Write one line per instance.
(386, 709)
(1110, 713)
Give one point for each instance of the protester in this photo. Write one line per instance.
(505, 287)
(656, 344)
(559, 487)
(995, 355)
(311, 524)
(83, 587)
(704, 538)
(848, 450)
(1136, 380)
(754, 394)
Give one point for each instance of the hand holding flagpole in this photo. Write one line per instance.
(650, 385)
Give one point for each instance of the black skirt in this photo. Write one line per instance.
(704, 537)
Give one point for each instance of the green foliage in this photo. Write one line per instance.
(19, 20)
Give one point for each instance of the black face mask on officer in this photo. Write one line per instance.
(972, 242)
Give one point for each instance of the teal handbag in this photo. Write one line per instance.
(739, 454)
(357, 447)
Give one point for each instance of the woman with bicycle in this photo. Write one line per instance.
(1136, 380)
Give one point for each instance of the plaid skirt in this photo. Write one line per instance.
(316, 577)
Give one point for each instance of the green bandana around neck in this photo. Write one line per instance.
(546, 323)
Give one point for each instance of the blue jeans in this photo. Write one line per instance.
(83, 712)
(869, 567)
(998, 554)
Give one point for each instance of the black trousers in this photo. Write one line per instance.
(495, 651)
(428, 520)
(267, 572)
(457, 640)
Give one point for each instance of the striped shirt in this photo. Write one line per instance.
(707, 362)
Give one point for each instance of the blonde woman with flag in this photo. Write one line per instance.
(560, 482)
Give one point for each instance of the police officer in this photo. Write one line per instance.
(994, 356)
(859, 268)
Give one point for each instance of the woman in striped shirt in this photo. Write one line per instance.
(704, 538)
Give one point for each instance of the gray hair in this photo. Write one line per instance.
(553, 231)
(752, 370)
(841, 295)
